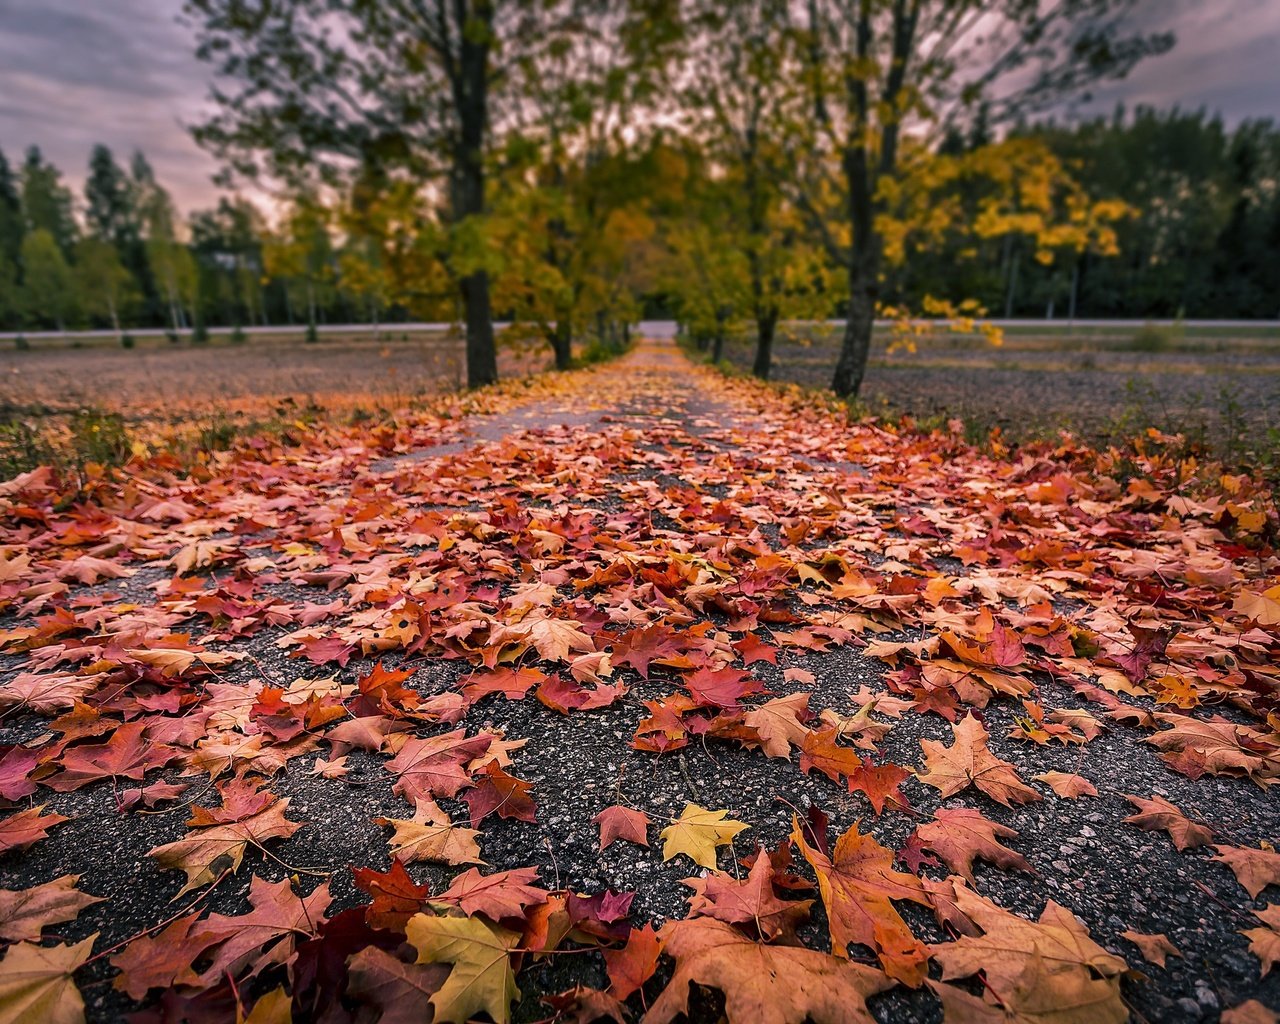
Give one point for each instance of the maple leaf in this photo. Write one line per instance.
(860, 727)
(16, 763)
(563, 696)
(1254, 869)
(127, 754)
(1002, 649)
(163, 959)
(1042, 970)
(762, 984)
(396, 896)
(208, 851)
(722, 687)
(1158, 813)
(496, 791)
(502, 894)
(582, 1005)
(618, 822)
(635, 963)
(819, 749)
(431, 836)
(1217, 745)
(697, 833)
(173, 661)
(45, 693)
(753, 649)
(1249, 1012)
(857, 884)
(603, 915)
(400, 992)
(780, 723)
(1155, 948)
(428, 768)
(1264, 943)
(481, 979)
(513, 684)
(554, 639)
(751, 901)
(24, 913)
(1067, 785)
(968, 762)
(36, 983)
(18, 831)
(642, 646)
(591, 668)
(961, 835)
(1263, 608)
(278, 918)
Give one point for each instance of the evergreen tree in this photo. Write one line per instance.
(46, 202)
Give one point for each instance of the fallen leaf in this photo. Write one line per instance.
(968, 762)
(481, 979)
(697, 833)
(762, 984)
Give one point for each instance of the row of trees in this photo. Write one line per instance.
(563, 162)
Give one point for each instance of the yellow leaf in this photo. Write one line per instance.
(481, 979)
(1263, 608)
(36, 983)
(697, 833)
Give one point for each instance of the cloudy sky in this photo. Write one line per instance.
(76, 72)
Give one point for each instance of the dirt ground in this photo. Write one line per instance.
(1223, 389)
(157, 378)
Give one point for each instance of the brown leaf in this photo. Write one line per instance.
(25, 913)
(618, 822)
(961, 835)
(1254, 869)
(1155, 949)
(857, 884)
(968, 762)
(762, 984)
(1157, 813)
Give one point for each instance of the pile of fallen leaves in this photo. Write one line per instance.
(670, 563)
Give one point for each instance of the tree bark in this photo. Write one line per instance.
(471, 100)
(766, 328)
(855, 346)
(562, 343)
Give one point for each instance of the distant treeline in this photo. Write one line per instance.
(1201, 240)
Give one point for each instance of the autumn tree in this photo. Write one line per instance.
(737, 106)
(104, 286)
(876, 73)
(169, 261)
(301, 253)
(315, 88)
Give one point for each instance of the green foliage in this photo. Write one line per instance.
(48, 283)
(1154, 338)
(23, 447)
(127, 340)
(99, 438)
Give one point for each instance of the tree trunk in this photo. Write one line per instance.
(717, 344)
(766, 327)
(1009, 295)
(562, 343)
(855, 346)
(471, 100)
